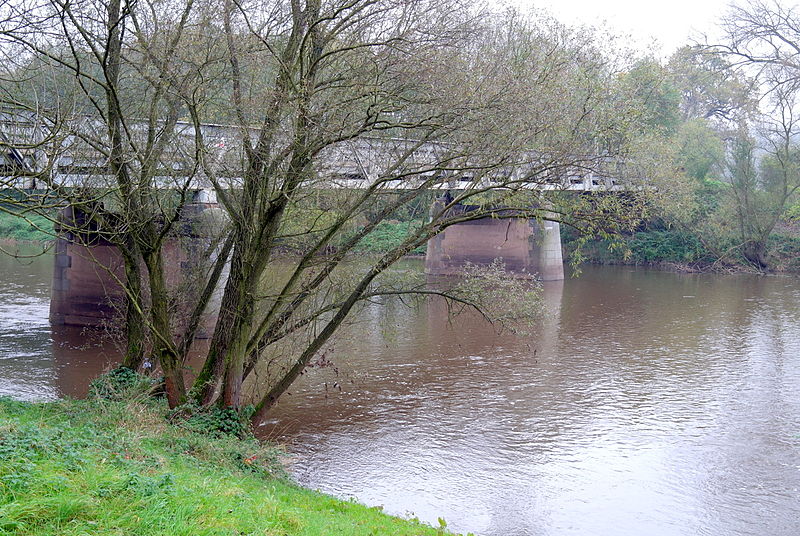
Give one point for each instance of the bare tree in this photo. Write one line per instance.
(763, 43)
(113, 112)
(343, 113)
(763, 37)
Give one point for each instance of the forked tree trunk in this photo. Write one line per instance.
(231, 332)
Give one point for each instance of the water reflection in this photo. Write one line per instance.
(81, 354)
(37, 362)
(646, 403)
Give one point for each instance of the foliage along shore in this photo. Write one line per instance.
(680, 251)
(35, 229)
(31, 229)
(665, 249)
(78, 467)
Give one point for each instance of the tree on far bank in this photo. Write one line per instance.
(731, 134)
(763, 178)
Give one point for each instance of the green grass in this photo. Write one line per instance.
(97, 467)
(388, 235)
(32, 228)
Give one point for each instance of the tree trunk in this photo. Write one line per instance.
(164, 348)
(225, 361)
(135, 332)
(755, 251)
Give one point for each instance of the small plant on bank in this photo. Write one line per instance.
(121, 383)
(216, 421)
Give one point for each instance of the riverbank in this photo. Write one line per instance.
(31, 229)
(679, 251)
(76, 467)
(36, 230)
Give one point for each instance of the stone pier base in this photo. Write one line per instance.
(88, 271)
(86, 289)
(528, 248)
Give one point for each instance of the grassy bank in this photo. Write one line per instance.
(113, 468)
(388, 235)
(32, 228)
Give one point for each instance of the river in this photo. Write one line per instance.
(644, 403)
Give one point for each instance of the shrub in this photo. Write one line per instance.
(34, 228)
(670, 246)
(645, 247)
(215, 420)
(784, 252)
(121, 383)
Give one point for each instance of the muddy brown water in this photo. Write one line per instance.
(645, 403)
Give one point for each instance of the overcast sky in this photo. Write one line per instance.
(671, 23)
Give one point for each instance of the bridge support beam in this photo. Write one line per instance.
(527, 247)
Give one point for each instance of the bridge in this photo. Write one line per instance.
(33, 155)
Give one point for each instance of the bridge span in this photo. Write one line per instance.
(530, 248)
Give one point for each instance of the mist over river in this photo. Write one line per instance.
(645, 403)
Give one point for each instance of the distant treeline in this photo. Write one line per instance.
(682, 250)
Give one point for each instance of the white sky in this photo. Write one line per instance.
(670, 22)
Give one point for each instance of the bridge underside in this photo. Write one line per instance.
(527, 248)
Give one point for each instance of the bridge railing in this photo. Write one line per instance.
(74, 155)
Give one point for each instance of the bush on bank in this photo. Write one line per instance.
(105, 466)
(673, 247)
(785, 253)
(388, 235)
(646, 247)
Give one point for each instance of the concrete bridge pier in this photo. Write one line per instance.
(88, 269)
(86, 274)
(547, 248)
(528, 248)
